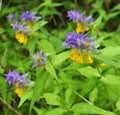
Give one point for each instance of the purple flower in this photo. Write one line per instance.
(29, 17)
(39, 59)
(11, 17)
(20, 28)
(79, 18)
(78, 41)
(15, 78)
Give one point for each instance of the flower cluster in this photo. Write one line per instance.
(23, 30)
(81, 21)
(19, 81)
(78, 40)
(39, 59)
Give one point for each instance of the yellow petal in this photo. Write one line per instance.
(74, 54)
(89, 59)
(80, 58)
(79, 29)
(103, 64)
(18, 91)
(21, 38)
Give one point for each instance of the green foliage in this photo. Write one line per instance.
(62, 86)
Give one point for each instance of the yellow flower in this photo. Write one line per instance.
(18, 91)
(89, 59)
(21, 38)
(80, 29)
(79, 57)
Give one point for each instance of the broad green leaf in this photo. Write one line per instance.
(74, 66)
(55, 111)
(89, 72)
(52, 99)
(46, 47)
(41, 78)
(112, 84)
(93, 95)
(84, 108)
(58, 59)
(111, 51)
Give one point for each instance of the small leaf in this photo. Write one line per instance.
(93, 95)
(51, 70)
(58, 59)
(84, 108)
(88, 72)
(55, 111)
(52, 99)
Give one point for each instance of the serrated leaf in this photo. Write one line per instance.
(58, 59)
(84, 108)
(52, 99)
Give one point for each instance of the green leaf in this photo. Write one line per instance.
(39, 111)
(52, 99)
(112, 84)
(39, 86)
(31, 45)
(55, 111)
(108, 60)
(84, 108)
(88, 72)
(46, 47)
(118, 105)
(38, 25)
(93, 95)
(117, 7)
(58, 59)
(51, 70)
(26, 95)
(111, 51)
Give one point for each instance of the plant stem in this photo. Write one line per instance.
(82, 97)
(14, 111)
